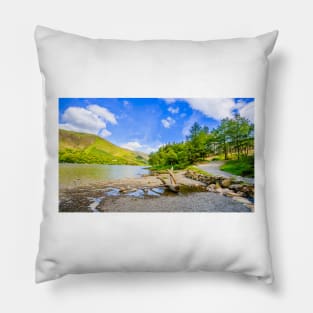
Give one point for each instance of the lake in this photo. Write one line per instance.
(71, 175)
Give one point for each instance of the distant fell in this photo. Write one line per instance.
(77, 147)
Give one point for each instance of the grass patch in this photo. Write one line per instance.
(243, 167)
(197, 170)
(164, 168)
(217, 157)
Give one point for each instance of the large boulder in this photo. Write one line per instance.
(231, 194)
(226, 182)
(242, 200)
(235, 187)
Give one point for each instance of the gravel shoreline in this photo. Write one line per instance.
(193, 202)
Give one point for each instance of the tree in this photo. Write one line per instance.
(239, 133)
(222, 135)
(194, 131)
(171, 157)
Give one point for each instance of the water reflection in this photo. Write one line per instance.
(71, 175)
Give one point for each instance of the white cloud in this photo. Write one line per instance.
(173, 110)
(102, 112)
(82, 120)
(67, 126)
(92, 120)
(215, 108)
(149, 150)
(247, 111)
(168, 122)
(137, 146)
(105, 133)
(132, 145)
(170, 100)
(187, 125)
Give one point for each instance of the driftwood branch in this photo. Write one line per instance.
(162, 180)
(172, 186)
(172, 177)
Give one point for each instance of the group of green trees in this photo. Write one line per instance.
(233, 137)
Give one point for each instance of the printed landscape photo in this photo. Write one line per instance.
(156, 154)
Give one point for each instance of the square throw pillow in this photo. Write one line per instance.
(155, 155)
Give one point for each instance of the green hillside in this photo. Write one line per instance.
(87, 148)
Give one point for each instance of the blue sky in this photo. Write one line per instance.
(144, 124)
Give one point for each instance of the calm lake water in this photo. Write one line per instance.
(71, 175)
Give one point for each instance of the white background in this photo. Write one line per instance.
(288, 152)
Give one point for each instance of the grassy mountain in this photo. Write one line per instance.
(87, 148)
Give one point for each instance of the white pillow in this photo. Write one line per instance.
(202, 78)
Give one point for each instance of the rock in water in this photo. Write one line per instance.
(112, 192)
(152, 193)
(139, 193)
(158, 190)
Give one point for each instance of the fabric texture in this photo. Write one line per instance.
(76, 67)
